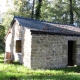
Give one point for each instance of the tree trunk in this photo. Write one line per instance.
(38, 9)
(32, 16)
(71, 13)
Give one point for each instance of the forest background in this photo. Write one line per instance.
(57, 11)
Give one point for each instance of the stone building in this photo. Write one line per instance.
(43, 45)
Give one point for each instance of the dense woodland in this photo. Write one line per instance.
(58, 11)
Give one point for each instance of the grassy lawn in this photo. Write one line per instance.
(19, 72)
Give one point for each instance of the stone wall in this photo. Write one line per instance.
(26, 47)
(15, 34)
(51, 51)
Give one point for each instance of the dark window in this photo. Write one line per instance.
(18, 46)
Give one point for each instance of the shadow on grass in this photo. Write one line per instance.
(6, 76)
(52, 77)
(1, 58)
(13, 76)
(70, 69)
(1, 61)
(16, 63)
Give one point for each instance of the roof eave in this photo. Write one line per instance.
(52, 33)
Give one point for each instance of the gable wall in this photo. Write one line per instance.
(16, 34)
(51, 51)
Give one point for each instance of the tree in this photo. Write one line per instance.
(76, 10)
(60, 11)
(71, 12)
(46, 10)
(2, 32)
(66, 11)
(32, 16)
(38, 9)
(22, 8)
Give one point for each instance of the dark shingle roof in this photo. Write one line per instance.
(48, 27)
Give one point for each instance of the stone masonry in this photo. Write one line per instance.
(16, 33)
(51, 51)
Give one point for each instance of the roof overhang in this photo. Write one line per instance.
(52, 33)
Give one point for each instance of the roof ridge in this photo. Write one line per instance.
(22, 17)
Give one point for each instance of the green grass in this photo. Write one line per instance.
(19, 72)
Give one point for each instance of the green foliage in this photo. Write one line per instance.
(2, 31)
(48, 10)
(59, 11)
(22, 8)
(2, 45)
(63, 11)
(2, 34)
(25, 9)
(6, 21)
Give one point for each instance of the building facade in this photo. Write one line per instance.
(43, 45)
